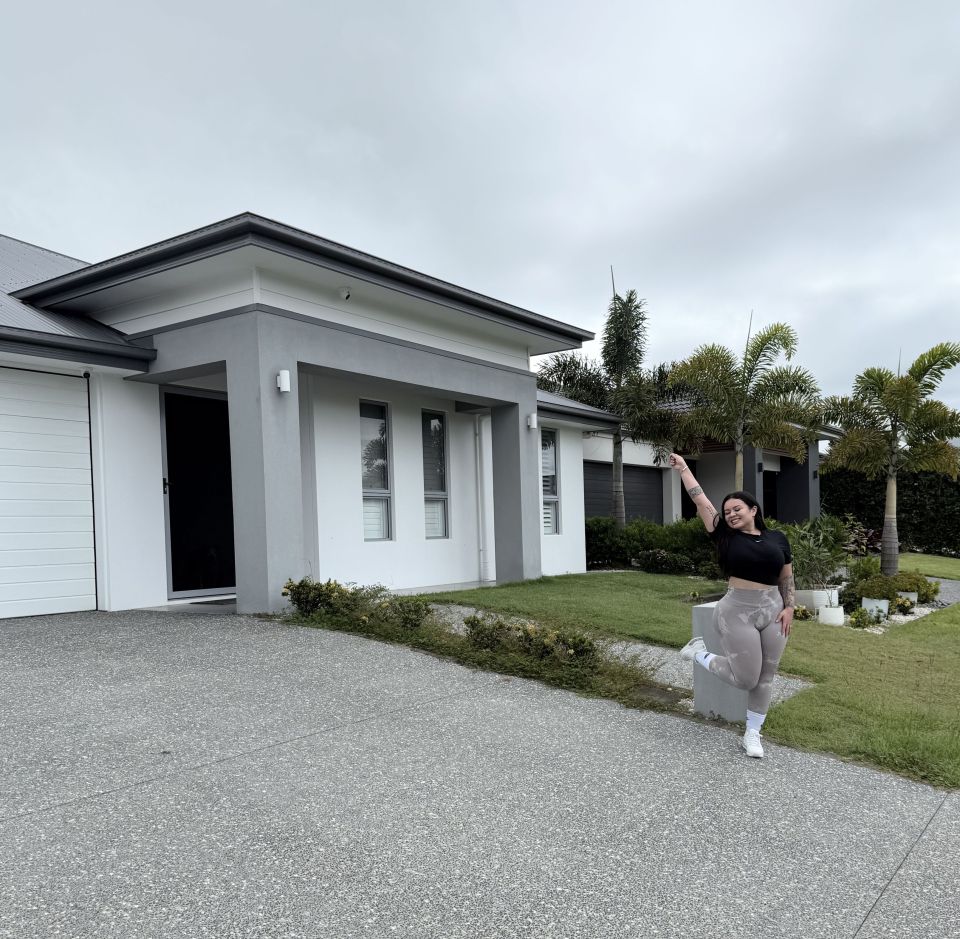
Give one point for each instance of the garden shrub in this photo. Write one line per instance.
(562, 645)
(901, 605)
(861, 568)
(659, 561)
(876, 588)
(608, 546)
(861, 618)
(406, 612)
(800, 612)
(487, 632)
(915, 582)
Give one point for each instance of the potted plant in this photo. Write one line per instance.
(876, 593)
(817, 558)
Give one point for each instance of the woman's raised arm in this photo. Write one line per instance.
(705, 508)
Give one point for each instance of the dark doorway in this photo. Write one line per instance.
(199, 494)
(770, 507)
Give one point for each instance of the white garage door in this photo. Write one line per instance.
(46, 499)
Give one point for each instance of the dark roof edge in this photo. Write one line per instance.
(122, 352)
(592, 416)
(248, 228)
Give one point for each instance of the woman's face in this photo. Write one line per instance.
(737, 514)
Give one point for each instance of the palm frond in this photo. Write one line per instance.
(575, 376)
(624, 337)
(766, 347)
(934, 456)
(929, 367)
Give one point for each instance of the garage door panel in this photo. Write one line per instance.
(44, 426)
(47, 562)
(47, 573)
(44, 507)
(10, 593)
(26, 386)
(48, 443)
(45, 540)
(37, 606)
(45, 475)
(43, 410)
(46, 492)
(41, 458)
(22, 524)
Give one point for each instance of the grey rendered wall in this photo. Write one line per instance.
(265, 429)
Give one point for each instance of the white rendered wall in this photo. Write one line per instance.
(599, 447)
(566, 552)
(715, 472)
(391, 313)
(128, 493)
(409, 559)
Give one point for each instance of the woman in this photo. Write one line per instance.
(755, 616)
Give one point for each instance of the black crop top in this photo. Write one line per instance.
(759, 557)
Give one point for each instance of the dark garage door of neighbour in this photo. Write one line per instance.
(642, 491)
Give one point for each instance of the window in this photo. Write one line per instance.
(434, 437)
(551, 498)
(375, 469)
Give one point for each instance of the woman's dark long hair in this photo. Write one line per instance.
(723, 532)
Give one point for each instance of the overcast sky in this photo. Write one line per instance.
(798, 159)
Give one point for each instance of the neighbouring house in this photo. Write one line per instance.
(247, 403)
(787, 490)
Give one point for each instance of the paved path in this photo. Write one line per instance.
(166, 774)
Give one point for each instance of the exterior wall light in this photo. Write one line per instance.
(532, 421)
(283, 381)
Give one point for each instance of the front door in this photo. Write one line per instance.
(200, 558)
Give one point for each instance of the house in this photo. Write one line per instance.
(787, 490)
(247, 403)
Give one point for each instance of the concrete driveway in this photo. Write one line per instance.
(166, 774)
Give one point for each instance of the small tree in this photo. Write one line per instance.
(750, 401)
(621, 352)
(891, 424)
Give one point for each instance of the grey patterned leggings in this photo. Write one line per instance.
(751, 641)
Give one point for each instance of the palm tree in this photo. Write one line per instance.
(892, 424)
(622, 349)
(751, 401)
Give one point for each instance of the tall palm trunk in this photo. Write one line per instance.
(738, 471)
(890, 541)
(618, 509)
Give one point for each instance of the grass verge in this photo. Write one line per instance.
(891, 701)
(931, 565)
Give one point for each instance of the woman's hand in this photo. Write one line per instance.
(786, 620)
(677, 462)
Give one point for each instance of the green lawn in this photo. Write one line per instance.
(892, 701)
(932, 565)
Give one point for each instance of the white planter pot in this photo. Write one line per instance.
(814, 599)
(910, 595)
(831, 615)
(871, 604)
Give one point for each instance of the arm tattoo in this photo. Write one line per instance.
(696, 491)
(788, 591)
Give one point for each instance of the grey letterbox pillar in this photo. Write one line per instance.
(711, 696)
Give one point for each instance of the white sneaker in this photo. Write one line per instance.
(751, 744)
(694, 646)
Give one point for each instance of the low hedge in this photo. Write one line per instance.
(681, 547)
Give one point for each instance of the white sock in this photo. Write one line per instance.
(704, 658)
(755, 720)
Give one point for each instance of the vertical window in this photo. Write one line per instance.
(551, 497)
(375, 469)
(434, 437)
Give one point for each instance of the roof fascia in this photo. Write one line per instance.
(260, 232)
(32, 342)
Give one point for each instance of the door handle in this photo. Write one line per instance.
(166, 485)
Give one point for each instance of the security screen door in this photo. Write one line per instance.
(199, 498)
